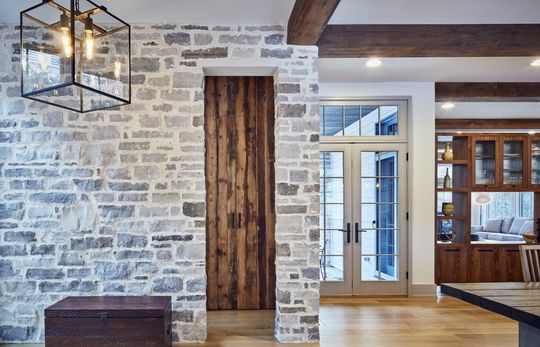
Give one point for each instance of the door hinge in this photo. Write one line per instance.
(407, 215)
(407, 275)
(407, 156)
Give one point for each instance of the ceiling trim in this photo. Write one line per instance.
(308, 20)
(430, 40)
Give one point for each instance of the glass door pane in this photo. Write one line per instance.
(332, 206)
(512, 162)
(485, 162)
(379, 252)
(535, 162)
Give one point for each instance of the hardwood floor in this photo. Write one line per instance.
(373, 322)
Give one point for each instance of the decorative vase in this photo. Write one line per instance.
(447, 181)
(448, 208)
(448, 153)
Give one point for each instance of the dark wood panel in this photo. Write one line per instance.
(486, 124)
(241, 246)
(510, 263)
(451, 264)
(486, 92)
(308, 20)
(484, 264)
(429, 40)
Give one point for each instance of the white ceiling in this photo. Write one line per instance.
(490, 110)
(436, 12)
(214, 12)
(430, 70)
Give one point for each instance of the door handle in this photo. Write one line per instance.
(239, 220)
(233, 220)
(348, 231)
(356, 231)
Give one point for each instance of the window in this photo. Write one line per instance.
(359, 120)
(502, 205)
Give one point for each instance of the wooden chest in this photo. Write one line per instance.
(109, 321)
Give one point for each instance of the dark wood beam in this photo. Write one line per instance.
(308, 20)
(452, 40)
(487, 124)
(489, 92)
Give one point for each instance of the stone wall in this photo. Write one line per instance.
(113, 202)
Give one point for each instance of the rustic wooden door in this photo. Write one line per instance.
(240, 219)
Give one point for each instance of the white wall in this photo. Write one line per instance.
(421, 172)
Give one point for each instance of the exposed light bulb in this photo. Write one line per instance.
(64, 30)
(532, 132)
(536, 63)
(89, 35)
(117, 69)
(448, 105)
(373, 62)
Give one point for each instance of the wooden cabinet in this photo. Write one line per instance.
(484, 263)
(477, 263)
(451, 264)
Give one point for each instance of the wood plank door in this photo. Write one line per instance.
(240, 219)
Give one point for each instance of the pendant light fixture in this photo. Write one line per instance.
(76, 55)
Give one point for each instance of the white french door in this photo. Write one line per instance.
(363, 219)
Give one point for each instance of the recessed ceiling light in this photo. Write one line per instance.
(373, 62)
(448, 105)
(536, 62)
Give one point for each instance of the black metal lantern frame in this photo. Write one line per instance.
(75, 55)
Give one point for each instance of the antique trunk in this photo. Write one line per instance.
(109, 321)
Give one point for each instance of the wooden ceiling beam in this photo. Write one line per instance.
(430, 40)
(487, 124)
(487, 92)
(308, 20)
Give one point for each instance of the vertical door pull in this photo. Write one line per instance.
(356, 231)
(239, 220)
(233, 220)
(348, 231)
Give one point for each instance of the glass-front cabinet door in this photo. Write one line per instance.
(485, 165)
(513, 162)
(535, 161)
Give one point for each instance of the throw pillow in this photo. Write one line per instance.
(506, 224)
(517, 224)
(493, 226)
(526, 228)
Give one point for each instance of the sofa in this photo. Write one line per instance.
(504, 229)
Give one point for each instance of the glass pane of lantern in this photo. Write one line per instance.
(68, 97)
(45, 61)
(103, 56)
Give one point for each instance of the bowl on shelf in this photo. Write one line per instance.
(448, 208)
(529, 238)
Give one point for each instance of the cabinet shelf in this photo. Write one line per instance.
(453, 190)
(451, 217)
(453, 162)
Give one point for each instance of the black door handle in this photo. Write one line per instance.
(348, 231)
(233, 220)
(239, 220)
(356, 231)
